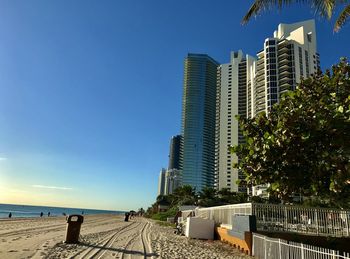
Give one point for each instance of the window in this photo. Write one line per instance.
(309, 37)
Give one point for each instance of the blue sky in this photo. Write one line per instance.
(90, 91)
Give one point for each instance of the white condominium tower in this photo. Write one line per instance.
(231, 101)
(248, 86)
(287, 57)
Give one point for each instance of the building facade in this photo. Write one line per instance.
(286, 58)
(198, 121)
(248, 86)
(172, 180)
(161, 182)
(231, 101)
(174, 152)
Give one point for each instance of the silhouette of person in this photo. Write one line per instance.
(48, 214)
(10, 215)
(41, 214)
(126, 216)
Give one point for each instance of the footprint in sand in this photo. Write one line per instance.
(12, 251)
(26, 249)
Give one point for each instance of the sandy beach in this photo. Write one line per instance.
(103, 236)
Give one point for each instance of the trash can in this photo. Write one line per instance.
(73, 228)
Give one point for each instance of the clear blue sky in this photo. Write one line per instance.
(90, 91)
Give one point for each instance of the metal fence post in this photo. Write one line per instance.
(302, 250)
(285, 218)
(265, 248)
(316, 221)
(346, 223)
(279, 248)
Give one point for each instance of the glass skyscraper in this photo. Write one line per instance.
(198, 121)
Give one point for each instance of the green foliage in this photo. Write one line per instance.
(164, 215)
(302, 146)
(186, 195)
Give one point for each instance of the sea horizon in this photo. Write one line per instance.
(28, 211)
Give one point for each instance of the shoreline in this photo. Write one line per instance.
(58, 216)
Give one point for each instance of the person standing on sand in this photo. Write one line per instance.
(48, 214)
(126, 216)
(10, 215)
(41, 214)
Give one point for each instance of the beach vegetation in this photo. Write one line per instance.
(186, 195)
(302, 145)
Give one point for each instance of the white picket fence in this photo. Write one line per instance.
(273, 248)
(283, 218)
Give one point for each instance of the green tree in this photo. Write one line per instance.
(325, 8)
(228, 197)
(184, 195)
(302, 146)
(208, 197)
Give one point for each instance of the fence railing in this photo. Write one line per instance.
(273, 248)
(316, 221)
(221, 214)
(283, 218)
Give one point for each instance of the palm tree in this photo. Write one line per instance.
(325, 8)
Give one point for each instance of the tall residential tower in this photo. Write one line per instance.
(231, 101)
(198, 121)
(286, 57)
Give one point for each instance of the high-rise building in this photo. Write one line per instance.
(198, 121)
(231, 101)
(288, 56)
(174, 153)
(161, 182)
(248, 86)
(172, 180)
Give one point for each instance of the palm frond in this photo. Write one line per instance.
(261, 5)
(344, 15)
(324, 8)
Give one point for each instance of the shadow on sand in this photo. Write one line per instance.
(120, 250)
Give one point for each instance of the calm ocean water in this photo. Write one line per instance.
(25, 211)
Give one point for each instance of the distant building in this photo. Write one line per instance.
(172, 180)
(161, 182)
(174, 153)
(198, 121)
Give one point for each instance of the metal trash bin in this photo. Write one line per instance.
(73, 228)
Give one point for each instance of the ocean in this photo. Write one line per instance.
(26, 211)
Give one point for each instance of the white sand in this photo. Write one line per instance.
(103, 236)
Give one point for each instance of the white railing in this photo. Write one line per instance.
(316, 221)
(223, 214)
(282, 218)
(273, 248)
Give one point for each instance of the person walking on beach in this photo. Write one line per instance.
(41, 214)
(48, 214)
(10, 215)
